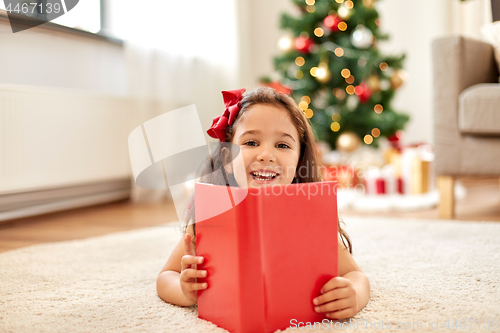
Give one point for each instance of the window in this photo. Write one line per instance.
(86, 15)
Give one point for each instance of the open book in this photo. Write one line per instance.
(268, 251)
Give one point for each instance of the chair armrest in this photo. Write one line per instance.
(463, 62)
(457, 63)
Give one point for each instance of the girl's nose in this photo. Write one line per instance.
(266, 155)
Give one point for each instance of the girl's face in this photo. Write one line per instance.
(270, 147)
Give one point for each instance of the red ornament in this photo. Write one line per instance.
(363, 92)
(332, 22)
(303, 44)
(276, 85)
(395, 140)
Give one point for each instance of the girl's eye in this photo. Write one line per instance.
(250, 143)
(283, 145)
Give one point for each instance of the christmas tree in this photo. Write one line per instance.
(335, 72)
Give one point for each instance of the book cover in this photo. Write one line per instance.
(268, 251)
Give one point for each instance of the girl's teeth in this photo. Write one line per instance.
(264, 176)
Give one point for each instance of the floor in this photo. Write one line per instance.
(482, 203)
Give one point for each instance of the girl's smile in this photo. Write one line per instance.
(270, 147)
(264, 176)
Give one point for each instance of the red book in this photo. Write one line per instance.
(268, 251)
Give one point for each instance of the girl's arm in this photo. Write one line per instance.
(344, 296)
(176, 282)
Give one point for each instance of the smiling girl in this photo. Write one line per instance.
(276, 144)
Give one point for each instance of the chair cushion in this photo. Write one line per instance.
(479, 109)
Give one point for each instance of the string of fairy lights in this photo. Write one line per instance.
(361, 38)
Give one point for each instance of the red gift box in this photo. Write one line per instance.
(268, 251)
(380, 185)
(383, 181)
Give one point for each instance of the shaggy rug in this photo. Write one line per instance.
(422, 273)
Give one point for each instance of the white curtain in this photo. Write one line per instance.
(178, 53)
(469, 16)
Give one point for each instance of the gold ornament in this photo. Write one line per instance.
(323, 74)
(398, 78)
(374, 83)
(368, 3)
(348, 142)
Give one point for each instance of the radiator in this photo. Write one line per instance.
(61, 149)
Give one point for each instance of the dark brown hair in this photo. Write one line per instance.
(308, 159)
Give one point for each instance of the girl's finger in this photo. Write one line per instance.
(334, 306)
(188, 261)
(188, 245)
(199, 286)
(332, 295)
(190, 286)
(336, 282)
(192, 273)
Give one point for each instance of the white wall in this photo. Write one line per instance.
(44, 57)
(259, 33)
(411, 25)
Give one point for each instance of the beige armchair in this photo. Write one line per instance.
(466, 114)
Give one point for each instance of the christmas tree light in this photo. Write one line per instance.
(330, 55)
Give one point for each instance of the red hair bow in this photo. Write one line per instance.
(232, 101)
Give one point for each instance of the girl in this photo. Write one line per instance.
(278, 148)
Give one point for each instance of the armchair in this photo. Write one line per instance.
(466, 111)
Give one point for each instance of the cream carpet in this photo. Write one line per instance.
(420, 272)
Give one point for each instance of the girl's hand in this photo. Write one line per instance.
(189, 273)
(338, 299)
